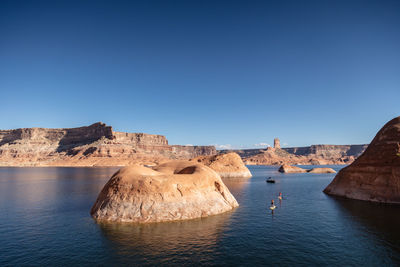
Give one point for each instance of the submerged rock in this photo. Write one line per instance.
(176, 190)
(226, 165)
(375, 175)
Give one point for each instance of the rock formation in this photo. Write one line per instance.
(375, 175)
(176, 190)
(226, 165)
(291, 169)
(321, 170)
(277, 143)
(94, 145)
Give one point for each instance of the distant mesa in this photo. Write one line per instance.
(94, 145)
(294, 169)
(375, 175)
(99, 145)
(176, 190)
(310, 155)
(226, 165)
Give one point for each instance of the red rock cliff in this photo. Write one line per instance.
(375, 175)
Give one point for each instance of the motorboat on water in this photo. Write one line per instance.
(270, 180)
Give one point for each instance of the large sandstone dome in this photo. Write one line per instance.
(375, 175)
(226, 165)
(176, 190)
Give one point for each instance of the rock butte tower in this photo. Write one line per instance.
(277, 143)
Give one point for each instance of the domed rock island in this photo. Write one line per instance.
(375, 175)
(321, 170)
(176, 190)
(227, 165)
(285, 168)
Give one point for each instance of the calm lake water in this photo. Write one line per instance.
(44, 220)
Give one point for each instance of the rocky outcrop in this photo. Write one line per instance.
(94, 145)
(291, 169)
(226, 165)
(375, 175)
(321, 170)
(176, 190)
(277, 143)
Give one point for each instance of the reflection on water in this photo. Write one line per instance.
(237, 186)
(188, 240)
(380, 221)
(44, 220)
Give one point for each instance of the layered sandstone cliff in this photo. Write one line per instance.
(375, 175)
(176, 190)
(94, 145)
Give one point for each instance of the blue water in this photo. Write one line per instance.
(44, 220)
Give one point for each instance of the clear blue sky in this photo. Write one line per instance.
(231, 73)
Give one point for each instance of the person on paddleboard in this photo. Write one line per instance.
(280, 196)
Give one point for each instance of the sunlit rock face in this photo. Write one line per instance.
(177, 190)
(94, 145)
(375, 175)
(226, 165)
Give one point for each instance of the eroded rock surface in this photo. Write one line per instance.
(176, 190)
(375, 175)
(226, 165)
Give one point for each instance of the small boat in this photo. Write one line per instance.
(272, 207)
(270, 180)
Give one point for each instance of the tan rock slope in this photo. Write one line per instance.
(94, 145)
(375, 175)
(226, 165)
(176, 190)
